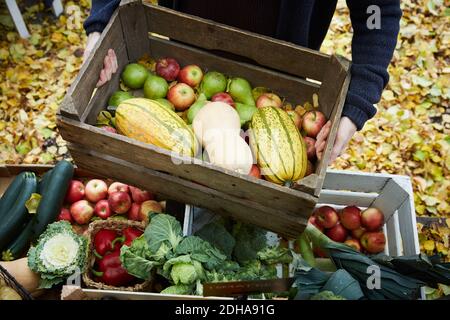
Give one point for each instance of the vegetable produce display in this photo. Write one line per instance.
(215, 253)
(181, 100)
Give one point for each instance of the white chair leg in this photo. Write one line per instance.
(17, 18)
(57, 7)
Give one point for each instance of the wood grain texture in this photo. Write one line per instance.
(331, 102)
(294, 89)
(185, 191)
(355, 181)
(276, 54)
(293, 202)
(134, 27)
(100, 99)
(80, 92)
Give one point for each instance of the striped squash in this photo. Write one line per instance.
(149, 121)
(278, 146)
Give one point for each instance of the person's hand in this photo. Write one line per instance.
(345, 132)
(109, 63)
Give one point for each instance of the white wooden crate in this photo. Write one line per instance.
(392, 194)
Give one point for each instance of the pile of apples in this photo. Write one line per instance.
(98, 199)
(361, 230)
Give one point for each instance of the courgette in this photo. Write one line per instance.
(52, 197)
(10, 195)
(20, 244)
(18, 213)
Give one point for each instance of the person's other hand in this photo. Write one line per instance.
(109, 63)
(345, 132)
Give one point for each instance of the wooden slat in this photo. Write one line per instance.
(266, 193)
(295, 90)
(100, 99)
(393, 236)
(79, 93)
(355, 181)
(332, 97)
(390, 198)
(189, 192)
(279, 55)
(347, 198)
(134, 27)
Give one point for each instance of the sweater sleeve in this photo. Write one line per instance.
(101, 12)
(372, 51)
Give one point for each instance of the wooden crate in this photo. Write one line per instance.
(284, 67)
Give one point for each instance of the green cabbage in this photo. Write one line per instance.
(58, 254)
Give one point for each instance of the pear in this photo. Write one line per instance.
(213, 82)
(241, 91)
(245, 112)
(166, 103)
(195, 108)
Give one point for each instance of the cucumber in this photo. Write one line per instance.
(10, 195)
(20, 244)
(18, 213)
(52, 197)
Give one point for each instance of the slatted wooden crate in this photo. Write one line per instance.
(284, 67)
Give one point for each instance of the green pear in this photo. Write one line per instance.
(245, 112)
(195, 107)
(241, 91)
(213, 82)
(166, 103)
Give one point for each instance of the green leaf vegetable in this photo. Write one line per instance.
(58, 254)
(326, 295)
(393, 285)
(187, 262)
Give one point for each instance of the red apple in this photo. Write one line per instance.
(192, 75)
(148, 207)
(310, 168)
(357, 233)
(373, 242)
(351, 217)
(64, 214)
(133, 213)
(96, 190)
(119, 202)
(313, 221)
(116, 187)
(82, 211)
(338, 233)
(223, 97)
(139, 195)
(181, 96)
(310, 147)
(75, 192)
(268, 100)
(167, 68)
(109, 129)
(255, 171)
(372, 219)
(354, 243)
(312, 122)
(327, 217)
(102, 209)
(296, 118)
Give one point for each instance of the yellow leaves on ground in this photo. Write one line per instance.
(34, 76)
(410, 133)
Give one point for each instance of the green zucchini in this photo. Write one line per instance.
(10, 195)
(18, 213)
(52, 197)
(20, 244)
(44, 181)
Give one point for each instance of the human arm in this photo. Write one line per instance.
(372, 51)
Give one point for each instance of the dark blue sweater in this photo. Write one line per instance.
(305, 22)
